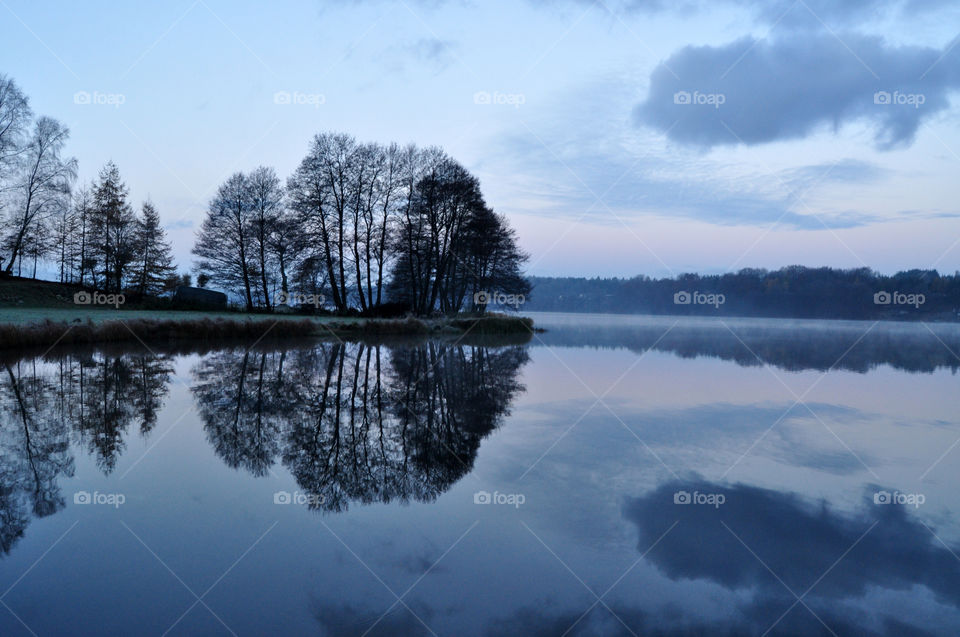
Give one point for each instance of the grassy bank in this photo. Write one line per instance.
(195, 326)
(42, 313)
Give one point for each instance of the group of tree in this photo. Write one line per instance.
(360, 225)
(92, 233)
(795, 292)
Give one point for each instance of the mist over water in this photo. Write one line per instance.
(697, 476)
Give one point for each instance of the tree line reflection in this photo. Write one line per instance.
(352, 422)
(87, 400)
(789, 345)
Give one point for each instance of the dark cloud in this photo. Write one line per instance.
(754, 91)
(797, 540)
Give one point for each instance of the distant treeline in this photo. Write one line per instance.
(794, 291)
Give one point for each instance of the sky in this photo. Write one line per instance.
(620, 137)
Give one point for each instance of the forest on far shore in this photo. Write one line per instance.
(790, 292)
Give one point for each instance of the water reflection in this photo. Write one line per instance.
(352, 422)
(780, 546)
(788, 344)
(356, 422)
(407, 422)
(91, 399)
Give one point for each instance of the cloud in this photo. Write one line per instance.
(800, 541)
(843, 171)
(433, 53)
(756, 91)
(784, 13)
(676, 186)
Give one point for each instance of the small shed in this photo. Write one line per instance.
(198, 297)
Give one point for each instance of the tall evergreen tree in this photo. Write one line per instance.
(154, 263)
(112, 228)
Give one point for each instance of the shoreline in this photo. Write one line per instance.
(255, 328)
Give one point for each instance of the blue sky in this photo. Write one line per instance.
(620, 137)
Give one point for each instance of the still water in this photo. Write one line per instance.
(610, 476)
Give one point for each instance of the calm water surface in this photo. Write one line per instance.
(612, 476)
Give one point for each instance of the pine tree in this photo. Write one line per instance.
(112, 228)
(154, 264)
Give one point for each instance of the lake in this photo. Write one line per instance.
(613, 475)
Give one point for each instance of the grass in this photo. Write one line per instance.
(42, 313)
(250, 330)
(25, 315)
(146, 330)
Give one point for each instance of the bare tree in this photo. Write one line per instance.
(385, 209)
(64, 229)
(15, 116)
(223, 242)
(266, 204)
(319, 192)
(43, 181)
(83, 205)
(286, 246)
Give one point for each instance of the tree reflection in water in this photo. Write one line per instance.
(357, 422)
(89, 399)
(352, 422)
